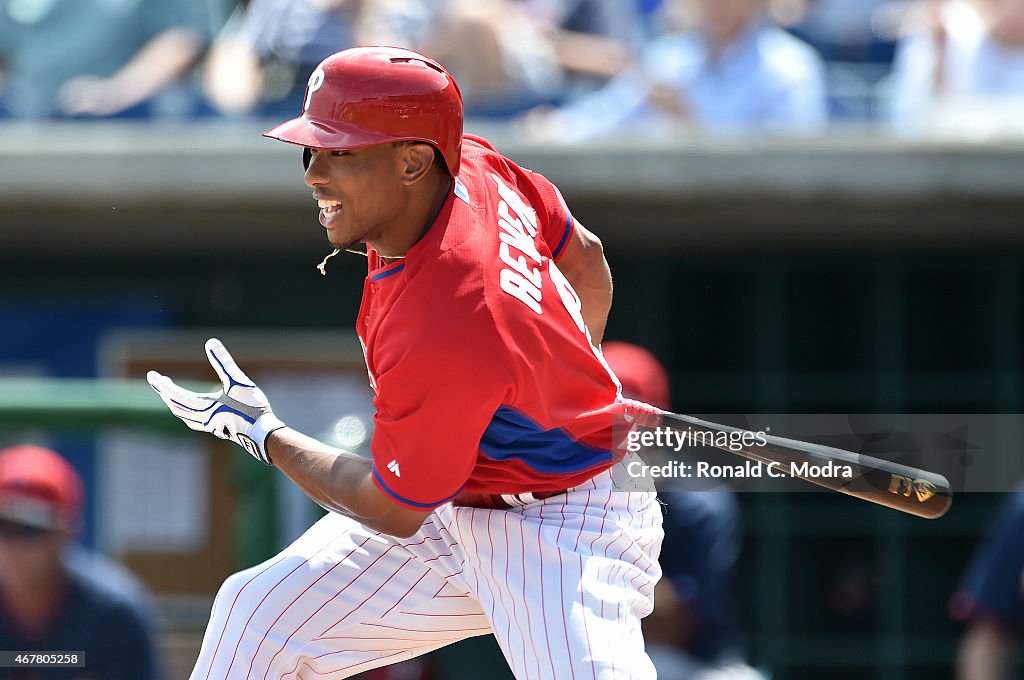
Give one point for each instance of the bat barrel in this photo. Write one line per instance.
(917, 492)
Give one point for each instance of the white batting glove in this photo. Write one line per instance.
(239, 412)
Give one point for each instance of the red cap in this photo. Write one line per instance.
(641, 374)
(38, 487)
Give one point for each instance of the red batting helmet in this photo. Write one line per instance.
(371, 95)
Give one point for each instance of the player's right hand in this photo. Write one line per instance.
(239, 412)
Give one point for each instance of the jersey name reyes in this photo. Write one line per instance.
(517, 227)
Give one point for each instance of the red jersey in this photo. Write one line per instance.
(485, 378)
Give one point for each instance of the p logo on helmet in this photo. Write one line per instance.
(316, 79)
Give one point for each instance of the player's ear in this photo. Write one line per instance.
(417, 158)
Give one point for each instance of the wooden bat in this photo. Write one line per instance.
(903, 488)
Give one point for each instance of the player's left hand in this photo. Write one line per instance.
(239, 412)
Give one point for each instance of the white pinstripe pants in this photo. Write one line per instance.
(562, 583)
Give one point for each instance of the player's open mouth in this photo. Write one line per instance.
(329, 209)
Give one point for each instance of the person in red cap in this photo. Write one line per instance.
(54, 596)
(693, 631)
(640, 373)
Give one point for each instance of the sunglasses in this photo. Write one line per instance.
(21, 532)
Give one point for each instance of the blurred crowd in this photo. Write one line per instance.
(565, 70)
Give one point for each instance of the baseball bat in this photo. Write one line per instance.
(900, 487)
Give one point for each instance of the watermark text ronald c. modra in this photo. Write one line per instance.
(664, 438)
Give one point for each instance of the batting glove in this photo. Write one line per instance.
(239, 412)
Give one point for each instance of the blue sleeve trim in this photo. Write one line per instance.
(387, 273)
(406, 501)
(565, 238)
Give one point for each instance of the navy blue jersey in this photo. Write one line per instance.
(993, 586)
(702, 532)
(101, 615)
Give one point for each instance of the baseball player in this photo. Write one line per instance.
(489, 504)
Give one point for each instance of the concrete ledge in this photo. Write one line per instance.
(214, 184)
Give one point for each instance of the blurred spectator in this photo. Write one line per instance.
(991, 599)
(693, 631)
(502, 56)
(857, 39)
(594, 40)
(960, 68)
(54, 596)
(734, 71)
(67, 58)
(260, 61)
(616, 19)
(840, 30)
